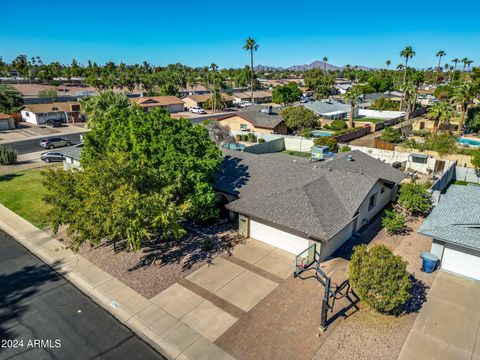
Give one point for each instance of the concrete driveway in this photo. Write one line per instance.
(448, 324)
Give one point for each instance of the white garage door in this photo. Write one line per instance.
(461, 263)
(280, 239)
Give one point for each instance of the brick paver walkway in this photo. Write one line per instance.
(284, 325)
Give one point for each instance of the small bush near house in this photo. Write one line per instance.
(338, 125)
(245, 137)
(327, 141)
(345, 148)
(414, 198)
(394, 222)
(252, 137)
(391, 135)
(380, 278)
(238, 137)
(261, 140)
(7, 156)
(327, 127)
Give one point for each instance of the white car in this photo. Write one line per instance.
(244, 104)
(197, 110)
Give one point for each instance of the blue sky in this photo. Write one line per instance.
(198, 33)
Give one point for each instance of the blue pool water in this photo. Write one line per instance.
(321, 133)
(469, 141)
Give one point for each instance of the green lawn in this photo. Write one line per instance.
(461, 182)
(297, 153)
(22, 192)
(372, 120)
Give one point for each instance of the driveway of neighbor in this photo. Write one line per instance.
(448, 324)
(213, 298)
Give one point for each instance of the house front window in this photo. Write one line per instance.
(243, 127)
(372, 201)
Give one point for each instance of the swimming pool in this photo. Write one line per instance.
(321, 133)
(469, 141)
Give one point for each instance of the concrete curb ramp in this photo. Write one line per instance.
(166, 333)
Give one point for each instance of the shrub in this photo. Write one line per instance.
(252, 137)
(245, 137)
(414, 198)
(327, 141)
(338, 125)
(7, 156)
(345, 148)
(380, 278)
(261, 140)
(394, 222)
(206, 244)
(391, 135)
(238, 137)
(326, 127)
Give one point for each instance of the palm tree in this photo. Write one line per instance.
(463, 95)
(251, 45)
(455, 61)
(439, 54)
(214, 97)
(352, 96)
(325, 59)
(469, 62)
(440, 113)
(410, 93)
(388, 62)
(406, 53)
(464, 61)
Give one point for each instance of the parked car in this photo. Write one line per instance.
(54, 123)
(244, 104)
(54, 143)
(52, 156)
(197, 110)
(303, 100)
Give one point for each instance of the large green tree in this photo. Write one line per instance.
(97, 106)
(286, 94)
(299, 118)
(142, 175)
(352, 96)
(463, 95)
(10, 99)
(407, 53)
(441, 113)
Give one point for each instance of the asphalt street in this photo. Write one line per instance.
(43, 316)
(33, 145)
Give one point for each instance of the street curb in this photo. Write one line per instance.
(108, 292)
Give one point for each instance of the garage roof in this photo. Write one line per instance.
(456, 219)
(317, 199)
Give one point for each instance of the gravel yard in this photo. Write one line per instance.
(159, 265)
(367, 334)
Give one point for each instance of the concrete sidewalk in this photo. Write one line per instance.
(165, 332)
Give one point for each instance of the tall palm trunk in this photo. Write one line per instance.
(404, 82)
(350, 119)
(251, 69)
(462, 118)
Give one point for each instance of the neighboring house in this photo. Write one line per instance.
(366, 100)
(256, 119)
(72, 157)
(39, 114)
(200, 100)
(170, 103)
(342, 88)
(454, 226)
(259, 96)
(330, 109)
(292, 204)
(7, 122)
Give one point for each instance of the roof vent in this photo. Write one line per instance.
(267, 110)
(349, 157)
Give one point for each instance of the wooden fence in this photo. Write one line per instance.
(383, 145)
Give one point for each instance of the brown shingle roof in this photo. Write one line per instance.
(50, 108)
(157, 101)
(5, 116)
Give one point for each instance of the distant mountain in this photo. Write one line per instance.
(314, 65)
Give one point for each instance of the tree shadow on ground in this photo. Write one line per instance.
(196, 247)
(419, 296)
(232, 175)
(8, 177)
(15, 290)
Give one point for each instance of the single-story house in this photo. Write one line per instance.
(454, 226)
(40, 114)
(330, 109)
(200, 100)
(292, 204)
(256, 119)
(7, 122)
(72, 156)
(259, 96)
(171, 103)
(342, 88)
